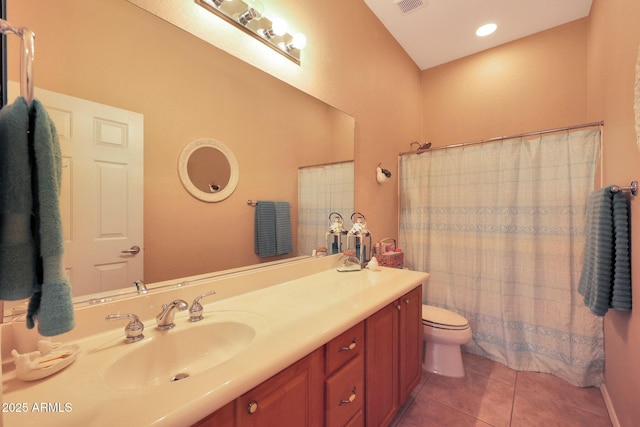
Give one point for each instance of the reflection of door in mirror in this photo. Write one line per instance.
(101, 197)
(209, 169)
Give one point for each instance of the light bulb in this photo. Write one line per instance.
(299, 41)
(279, 26)
(486, 29)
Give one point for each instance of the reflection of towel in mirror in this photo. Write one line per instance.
(605, 281)
(36, 268)
(17, 250)
(272, 228)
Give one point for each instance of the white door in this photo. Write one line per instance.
(102, 190)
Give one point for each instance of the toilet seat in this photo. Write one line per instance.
(441, 318)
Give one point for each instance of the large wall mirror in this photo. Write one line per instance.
(116, 54)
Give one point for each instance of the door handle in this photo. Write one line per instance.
(133, 250)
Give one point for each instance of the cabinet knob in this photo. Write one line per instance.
(350, 399)
(406, 301)
(252, 407)
(349, 347)
(399, 307)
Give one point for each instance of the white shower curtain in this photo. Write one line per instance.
(322, 190)
(500, 228)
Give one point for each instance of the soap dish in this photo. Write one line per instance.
(43, 363)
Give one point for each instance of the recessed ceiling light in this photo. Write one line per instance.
(486, 29)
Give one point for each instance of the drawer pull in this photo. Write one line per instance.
(349, 347)
(252, 407)
(350, 399)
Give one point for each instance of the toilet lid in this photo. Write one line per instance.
(441, 318)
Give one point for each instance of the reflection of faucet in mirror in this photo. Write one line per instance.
(140, 287)
(165, 318)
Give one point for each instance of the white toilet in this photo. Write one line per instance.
(443, 333)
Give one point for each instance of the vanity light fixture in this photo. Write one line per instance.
(278, 28)
(299, 41)
(486, 29)
(248, 15)
(254, 11)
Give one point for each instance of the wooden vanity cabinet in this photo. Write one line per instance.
(344, 383)
(393, 365)
(359, 378)
(409, 343)
(292, 397)
(223, 417)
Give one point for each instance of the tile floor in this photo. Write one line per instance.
(491, 394)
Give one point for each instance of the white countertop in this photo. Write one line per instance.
(301, 315)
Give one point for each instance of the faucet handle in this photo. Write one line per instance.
(133, 330)
(195, 312)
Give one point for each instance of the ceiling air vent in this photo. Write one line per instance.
(407, 6)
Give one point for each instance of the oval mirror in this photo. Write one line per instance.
(208, 170)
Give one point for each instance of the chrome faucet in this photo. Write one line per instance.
(165, 318)
(140, 286)
(133, 330)
(195, 312)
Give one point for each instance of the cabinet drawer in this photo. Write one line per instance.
(344, 392)
(344, 348)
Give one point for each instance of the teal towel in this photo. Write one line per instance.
(605, 280)
(272, 229)
(17, 247)
(283, 229)
(42, 272)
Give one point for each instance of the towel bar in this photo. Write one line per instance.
(632, 188)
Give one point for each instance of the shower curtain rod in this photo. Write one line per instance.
(502, 138)
(319, 165)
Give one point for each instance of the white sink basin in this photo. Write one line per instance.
(179, 353)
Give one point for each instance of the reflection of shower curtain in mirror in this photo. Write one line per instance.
(322, 190)
(501, 228)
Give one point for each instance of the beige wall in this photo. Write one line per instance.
(580, 72)
(535, 83)
(614, 40)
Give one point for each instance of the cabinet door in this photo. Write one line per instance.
(223, 417)
(410, 342)
(294, 397)
(381, 366)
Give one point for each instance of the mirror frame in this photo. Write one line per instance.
(183, 171)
